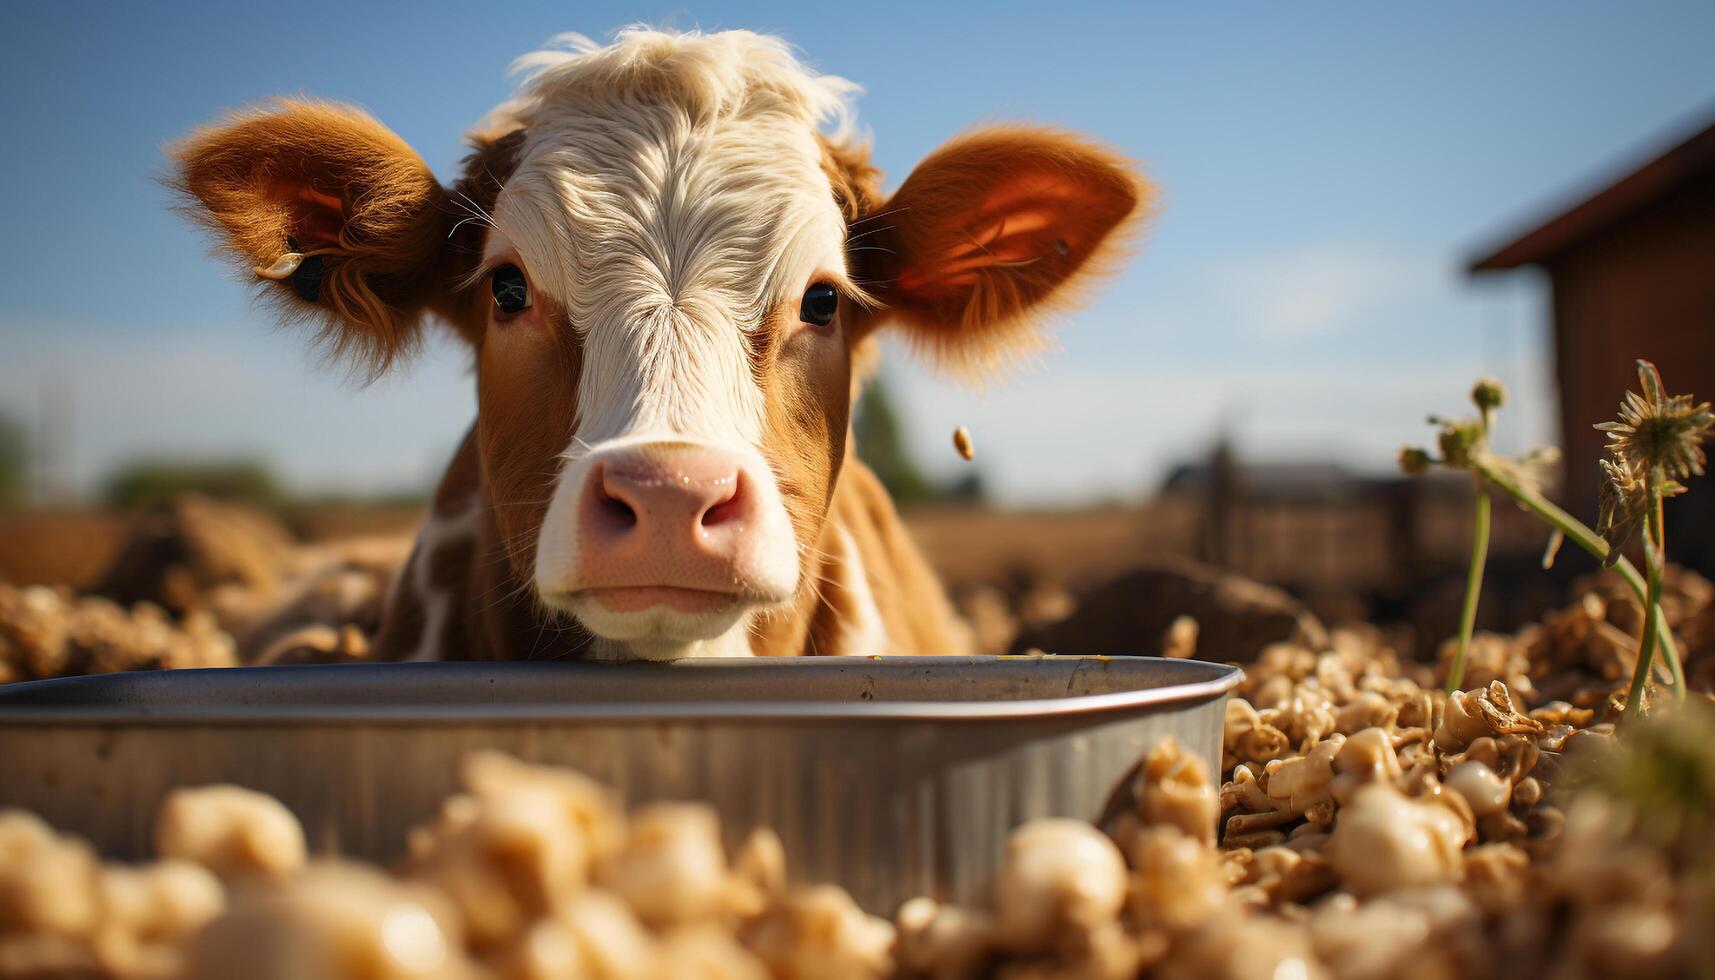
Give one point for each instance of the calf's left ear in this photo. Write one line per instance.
(342, 215)
(992, 234)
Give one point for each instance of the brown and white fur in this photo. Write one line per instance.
(660, 465)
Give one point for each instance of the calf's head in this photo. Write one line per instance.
(670, 263)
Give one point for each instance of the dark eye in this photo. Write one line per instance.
(821, 302)
(511, 290)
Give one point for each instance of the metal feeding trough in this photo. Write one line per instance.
(893, 777)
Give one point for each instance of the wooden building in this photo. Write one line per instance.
(1632, 274)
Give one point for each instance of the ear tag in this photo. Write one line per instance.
(283, 267)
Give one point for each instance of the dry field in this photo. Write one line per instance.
(73, 547)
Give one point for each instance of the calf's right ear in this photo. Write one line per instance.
(342, 216)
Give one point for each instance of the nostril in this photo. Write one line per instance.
(729, 503)
(721, 513)
(617, 513)
(611, 509)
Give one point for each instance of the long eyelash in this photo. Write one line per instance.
(482, 272)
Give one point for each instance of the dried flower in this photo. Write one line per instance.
(1414, 460)
(1622, 502)
(1659, 430)
(1460, 440)
(1489, 394)
(1533, 472)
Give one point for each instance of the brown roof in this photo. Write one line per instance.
(1693, 158)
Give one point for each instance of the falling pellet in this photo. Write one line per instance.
(962, 442)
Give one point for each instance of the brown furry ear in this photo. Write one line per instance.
(331, 184)
(993, 232)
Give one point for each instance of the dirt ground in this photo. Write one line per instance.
(1339, 561)
(72, 547)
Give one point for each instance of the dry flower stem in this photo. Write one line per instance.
(1473, 586)
(1654, 543)
(1576, 532)
(1487, 397)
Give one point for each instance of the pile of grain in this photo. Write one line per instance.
(1389, 849)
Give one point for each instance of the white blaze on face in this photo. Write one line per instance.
(669, 195)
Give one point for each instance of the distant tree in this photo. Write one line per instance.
(14, 460)
(150, 483)
(967, 489)
(881, 445)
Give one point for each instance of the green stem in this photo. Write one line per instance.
(1576, 532)
(1473, 587)
(1646, 647)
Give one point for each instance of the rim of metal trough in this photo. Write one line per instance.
(933, 688)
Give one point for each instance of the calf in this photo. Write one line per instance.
(671, 263)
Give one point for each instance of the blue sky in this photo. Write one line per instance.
(1326, 168)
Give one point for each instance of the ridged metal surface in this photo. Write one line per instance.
(894, 777)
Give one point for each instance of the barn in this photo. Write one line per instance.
(1631, 271)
